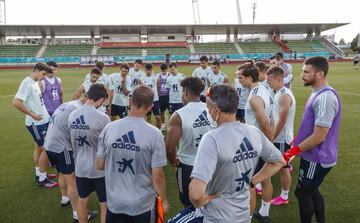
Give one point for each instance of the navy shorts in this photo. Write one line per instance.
(203, 98)
(86, 186)
(173, 107)
(259, 166)
(186, 215)
(38, 132)
(240, 113)
(183, 173)
(155, 109)
(311, 175)
(164, 103)
(63, 162)
(121, 111)
(124, 218)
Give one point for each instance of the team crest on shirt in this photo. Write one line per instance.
(245, 151)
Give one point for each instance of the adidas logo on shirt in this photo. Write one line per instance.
(79, 123)
(127, 142)
(245, 151)
(201, 121)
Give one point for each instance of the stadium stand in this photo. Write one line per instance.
(68, 50)
(260, 47)
(168, 50)
(305, 46)
(19, 50)
(226, 48)
(119, 51)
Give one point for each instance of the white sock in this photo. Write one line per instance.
(42, 176)
(250, 218)
(64, 199)
(258, 186)
(265, 208)
(284, 194)
(75, 216)
(37, 171)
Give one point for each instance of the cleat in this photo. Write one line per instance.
(277, 201)
(91, 215)
(291, 168)
(51, 175)
(264, 219)
(48, 184)
(65, 204)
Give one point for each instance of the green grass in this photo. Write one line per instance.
(22, 201)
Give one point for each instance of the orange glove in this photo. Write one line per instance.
(288, 155)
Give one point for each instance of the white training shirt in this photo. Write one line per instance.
(243, 93)
(119, 98)
(104, 79)
(176, 90)
(29, 92)
(152, 83)
(203, 75)
(216, 78)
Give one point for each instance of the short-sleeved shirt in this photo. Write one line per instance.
(104, 79)
(29, 92)
(216, 78)
(243, 93)
(226, 161)
(131, 147)
(325, 107)
(135, 76)
(58, 134)
(203, 75)
(176, 90)
(119, 98)
(151, 82)
(86, 124)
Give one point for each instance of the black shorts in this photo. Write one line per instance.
(240, 113)
(155, 109)
(86, 186)
(203, 98)
(183, 173)
(164, 103)
(259, 166)
(121, 111)
(63, 162)
(146, 217)
(282, 147)
(311, 175)
(356, 62)
(173, 107)
(38, 132)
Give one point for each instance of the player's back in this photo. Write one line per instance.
(86, 124)
(132, 147)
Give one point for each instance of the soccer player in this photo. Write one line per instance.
(261, 67)
(135, 73)
(132, 152)
(186, 128)
(52, 89)
(150, 80)
(278, 60)
(163, 91)
(86, 124)
(175, 92)
(60, 154)
(203, 72)
(243, 97)
(29, 101)
(258, 113)
(106, 81)
(225, 162)
(122, 88)
(356, 61)
(283, 116)
(317, 139)
(216, 76)
(95, 74)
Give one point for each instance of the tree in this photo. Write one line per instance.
(354, 44)
(342, 41)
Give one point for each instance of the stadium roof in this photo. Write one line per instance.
(88, 30)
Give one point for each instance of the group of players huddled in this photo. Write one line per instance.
(225, 140)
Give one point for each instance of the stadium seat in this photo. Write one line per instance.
(119, 51)
(223, 48)
(19, 50)
(68, 50)
(305, 46)
(260, 47)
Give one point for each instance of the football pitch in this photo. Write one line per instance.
(22, 201)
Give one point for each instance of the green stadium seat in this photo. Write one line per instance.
(19, 50)
(68, 50)
(224, 48)
(260, 47)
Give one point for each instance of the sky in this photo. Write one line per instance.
(113, 12)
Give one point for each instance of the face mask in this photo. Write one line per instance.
(213, 123)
